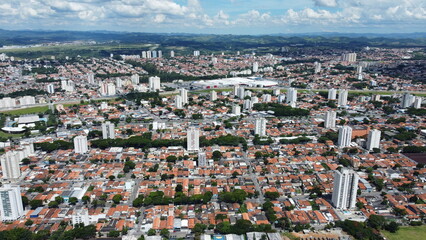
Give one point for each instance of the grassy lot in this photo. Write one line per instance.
(407, 233)
(27, 110)
(7, 135)
(74, 50)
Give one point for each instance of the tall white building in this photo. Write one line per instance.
(332, 93)
(10, 165)
(202, 159)
(184, 95)
(196, 53)
(345, 189)
(213, 96)
(11, 207)
(7, 102)
(160, 54)
(343, 98)
(178, 102)
(193, 139)
(317, 67)
(28, 148)
(80, 145)
(91, 78)
(266, 98)
(373, 140)
(143, 55)
(154, 84)
(236, 109)
(26, 100)
(260, 127)
(291, 95)
(148, 54)
(51, 88)
(111, 91)
(172, 54)
(241, 92)
(255, 67)
(235, 90)
(330, 119)
(276, 91)
(417, 102)
(119, 83)
(407, 100)
(247, 105)
(135, 79)
(108, 130)
(80, 216)
(349, 57)
(345, 136)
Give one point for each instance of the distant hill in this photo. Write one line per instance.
(217, 42)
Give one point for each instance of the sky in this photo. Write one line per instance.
(216, 16)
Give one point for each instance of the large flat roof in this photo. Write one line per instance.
(251, 82)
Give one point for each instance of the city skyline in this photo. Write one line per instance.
(218, 17)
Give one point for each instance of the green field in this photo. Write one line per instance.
(27, 110)
(7, 135)
(96, 50)
(407, 233)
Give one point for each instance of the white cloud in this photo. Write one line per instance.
(136, 15)
(325, 3)
(159, 18)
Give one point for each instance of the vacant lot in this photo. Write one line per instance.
(407, 233)
(27, 110)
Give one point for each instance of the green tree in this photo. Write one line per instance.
(376, 221)
(36, 203)
(171, 158)
(73, 201)
(114, 233)
(85, 199)
(151, 232)
(272, 195)
(392, 227)
(164, 233)
(59, 199)
(53, 204)
(117, 198)
(29, 222)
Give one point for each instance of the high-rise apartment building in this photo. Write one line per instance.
(332, 93)
(349, 57)
(108, 131)
(193, 139)
(255, 67)
(11, 207)
(345, 189)
(10, 165)
(51, 88)
(135, 79)
(213, 96)
(154, 84)
(373, 140)
(260, 127)
(330, 119)
(291, 95)
(202, 159)
(80, 145)
(184, 95)
(345, 136)
(343, 98)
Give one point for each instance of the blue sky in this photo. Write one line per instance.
(217, 16)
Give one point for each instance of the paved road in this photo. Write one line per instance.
(253, 177)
